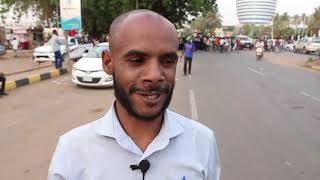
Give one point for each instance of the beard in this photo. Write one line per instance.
(123, 97)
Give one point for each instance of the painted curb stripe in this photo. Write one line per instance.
(316, 67)
(22, 82)
(45, 76)
(33, 79)
(54, 73)
(10, 85)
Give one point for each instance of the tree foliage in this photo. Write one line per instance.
(97, 15)
(314, 22)
(208, 23)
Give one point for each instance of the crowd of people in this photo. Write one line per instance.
(213, 43)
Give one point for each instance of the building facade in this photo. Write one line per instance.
(256, 11)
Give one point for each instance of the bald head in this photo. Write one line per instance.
(125, 21)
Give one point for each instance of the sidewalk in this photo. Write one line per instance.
(24, 69)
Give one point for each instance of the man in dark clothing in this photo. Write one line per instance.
(3, 84)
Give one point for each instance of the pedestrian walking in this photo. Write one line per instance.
(15, 44)
(188, 49)
(222, 42)
(3, 84)
(139, 138)
(55, 43)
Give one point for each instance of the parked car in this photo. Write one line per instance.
(245, 42)
(76, 50)
(2, 49)
(290, 46)
(88, 71)
(307, 45)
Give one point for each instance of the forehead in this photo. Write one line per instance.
(145, 32)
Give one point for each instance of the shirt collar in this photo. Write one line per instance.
(110, 126)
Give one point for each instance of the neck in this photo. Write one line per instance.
(140, 131)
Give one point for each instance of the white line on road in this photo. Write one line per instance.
(305, 94)
(194, 111)
(255, 71)
(309, 95)
(315, 98)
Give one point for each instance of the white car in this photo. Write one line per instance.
(290, 46)
(88, 71)
(307, 45)
(76, 50)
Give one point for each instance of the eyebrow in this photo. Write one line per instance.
(141, 53)
(169, 54)
(135, 53)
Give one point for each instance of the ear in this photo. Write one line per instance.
(107, 62)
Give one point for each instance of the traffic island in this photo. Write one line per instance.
(10, 85)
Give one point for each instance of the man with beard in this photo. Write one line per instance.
(139, 138)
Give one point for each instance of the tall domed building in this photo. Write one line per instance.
(256, 11)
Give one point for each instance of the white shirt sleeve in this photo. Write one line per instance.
(214, 168)
(58, 168)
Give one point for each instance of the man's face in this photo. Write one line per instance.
(144, 65)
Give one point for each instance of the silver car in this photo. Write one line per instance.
(307, 45)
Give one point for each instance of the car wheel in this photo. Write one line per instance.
(305, 51)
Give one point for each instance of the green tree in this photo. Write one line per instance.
(97, 15)
(314, 22)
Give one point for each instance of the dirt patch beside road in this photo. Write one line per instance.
(288, 59)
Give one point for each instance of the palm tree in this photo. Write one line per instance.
(212, 20)
(314, 22)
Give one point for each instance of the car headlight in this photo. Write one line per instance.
(109, 78)
(74, 68)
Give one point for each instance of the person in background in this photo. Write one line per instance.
(3, 84)
(15, 44)
(55, 43)
(188, 50)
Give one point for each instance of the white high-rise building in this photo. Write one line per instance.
(256, 11)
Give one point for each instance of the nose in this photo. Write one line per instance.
(153, 72)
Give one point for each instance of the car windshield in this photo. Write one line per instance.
(316, 40)
(97, 51)
(244, 38)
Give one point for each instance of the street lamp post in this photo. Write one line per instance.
(137, 4)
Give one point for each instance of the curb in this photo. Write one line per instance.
(28, 70)
(315, 68)
(33, 79)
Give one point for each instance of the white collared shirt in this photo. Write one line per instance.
(183, 150)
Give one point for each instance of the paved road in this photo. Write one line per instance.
(265, 116)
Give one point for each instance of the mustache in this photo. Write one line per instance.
(153, 88)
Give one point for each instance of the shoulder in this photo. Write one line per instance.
(192, 127)
(79, 135)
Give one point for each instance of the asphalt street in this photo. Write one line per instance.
(265, 115)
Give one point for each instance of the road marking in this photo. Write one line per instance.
(315, 98)
(255, 71)
(194, 111)
(309, 95)
(305, 94)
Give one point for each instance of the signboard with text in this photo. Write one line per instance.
(70, 11)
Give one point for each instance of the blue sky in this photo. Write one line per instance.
(227, 8)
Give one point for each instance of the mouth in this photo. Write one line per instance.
(151, 98)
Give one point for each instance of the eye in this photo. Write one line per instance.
(136, 60)
(169, 61)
